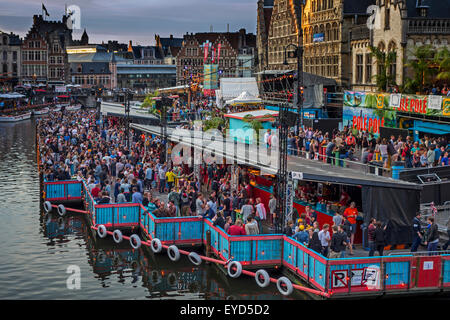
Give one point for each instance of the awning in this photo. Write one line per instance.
(312, 170)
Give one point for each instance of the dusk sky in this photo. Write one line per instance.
(137, 20)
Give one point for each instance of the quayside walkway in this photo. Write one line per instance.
(250, 255)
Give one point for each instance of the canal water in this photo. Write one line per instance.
(38, 251)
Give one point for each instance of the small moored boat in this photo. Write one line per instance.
(15, 118)
(41, 111)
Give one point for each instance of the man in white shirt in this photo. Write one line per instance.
(266, 138)
(260, 213)
(325, 238)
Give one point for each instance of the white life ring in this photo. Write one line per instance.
(156, 245)
(47, 207)
(287, 289)
(101, 231)
(195, 258)
(117, 236)
(61, 210)
(234, 269)
(262, 278)
(173, 253)
(135, 241)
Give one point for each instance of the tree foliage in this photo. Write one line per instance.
(384, 60)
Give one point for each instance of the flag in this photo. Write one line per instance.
(44, 9)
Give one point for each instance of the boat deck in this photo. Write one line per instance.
(355, 276)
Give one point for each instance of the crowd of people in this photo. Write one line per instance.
(77, 145)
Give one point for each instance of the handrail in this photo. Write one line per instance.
(316, 269)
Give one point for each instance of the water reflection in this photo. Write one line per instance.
(37, 248)
(162, 279)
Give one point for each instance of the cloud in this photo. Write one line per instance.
(137, 20)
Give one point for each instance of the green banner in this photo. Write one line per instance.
(396, 102)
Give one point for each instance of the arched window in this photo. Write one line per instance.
(392, 47)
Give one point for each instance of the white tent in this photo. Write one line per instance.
(232, 87)
(244, 98)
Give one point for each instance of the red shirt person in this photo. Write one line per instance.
(237, 229)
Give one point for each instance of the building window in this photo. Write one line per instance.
(359, 68)
(5, 55)
(368, 68)
(387, 18)
(14, 55)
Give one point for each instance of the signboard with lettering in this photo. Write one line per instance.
(210, 74)
(318, 37)
(386, 102)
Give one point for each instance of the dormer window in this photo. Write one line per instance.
(423, 12)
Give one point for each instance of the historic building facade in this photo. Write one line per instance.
(283, 31)
(264, 15)
(402, 25)
(44, 57)
(9, 59)
(325, 26)
(233, 45)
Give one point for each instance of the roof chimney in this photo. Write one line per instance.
(171, 36)
(130, 48)
(228, 27)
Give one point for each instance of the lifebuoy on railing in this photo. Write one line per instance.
(156, 245)
(61, 210)
(47, 207)
(135, 241)
(101, 231)
(117, 236)
(284, 285)
(173, 253)
(195, 258)
(234, 269)
(262, 278)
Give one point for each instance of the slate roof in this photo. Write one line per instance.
(137, 52)
(90, 68)
(357, 6)
(436, 8)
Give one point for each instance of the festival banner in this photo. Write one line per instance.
(210, 75)
(415, 104)
(206, 50)
(446, 107)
